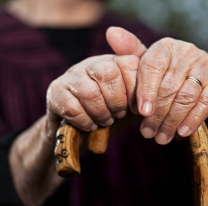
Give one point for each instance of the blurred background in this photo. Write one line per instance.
(188, 19)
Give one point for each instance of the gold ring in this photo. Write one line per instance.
(194, 79)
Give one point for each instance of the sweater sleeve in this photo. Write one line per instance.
(8, 195)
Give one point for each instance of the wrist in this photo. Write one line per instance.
(32, 164)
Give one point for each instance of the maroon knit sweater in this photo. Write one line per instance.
(133, 171)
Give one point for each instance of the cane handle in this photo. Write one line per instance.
(67, 148)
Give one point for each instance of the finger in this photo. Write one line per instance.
(109, 78)
(89, 95)
(196, 116)
(152, 69)
(124, 43)
(62, 103)
(184, 101)
(162, 72)
(195, 63)
(129, 66)
(181, 63)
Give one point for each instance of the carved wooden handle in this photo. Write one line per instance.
(67, 151)
(199, 147)
(67, 148)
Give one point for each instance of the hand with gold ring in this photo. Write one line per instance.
(172, 90)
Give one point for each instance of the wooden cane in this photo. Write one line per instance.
(68, 165)
(199, 147)
(67, 148)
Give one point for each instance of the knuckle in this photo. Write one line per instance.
(153, 65)
(155, 120)
(166, 42)
(58, 101)
(99, 112)
(187, 48)
(149, 89)
(203, 54)
(86, 124)
(167, 90)
(101, 118)
(191, 46)
(121, 104)
(185, 98)
(69, 110)
(51, 95)
(110, 73)
(91, 92)
(170, 124)
(200, 59)
(132, 63)
(204, 99)
(51, 88)
(107, 72)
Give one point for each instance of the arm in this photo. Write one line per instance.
(32, 164)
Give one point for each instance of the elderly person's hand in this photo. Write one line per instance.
(166, 96)
(98, 89)
(169, 94)
(93, 92)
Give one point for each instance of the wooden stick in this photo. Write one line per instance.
(67, 148)
(199, 147)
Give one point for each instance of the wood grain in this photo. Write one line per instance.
(67, 151)
(98, 140)
(67, 148)
(199, 147)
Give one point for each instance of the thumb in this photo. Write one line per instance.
(124, 43)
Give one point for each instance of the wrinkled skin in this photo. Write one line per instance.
(101, 88)
(165, 97)
(98, 89)
(93, 92)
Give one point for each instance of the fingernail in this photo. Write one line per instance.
(121, 114)
(161, 138)
(94, 127)
(109, 122)
(147, 132)
(183, 131)
(147, 108)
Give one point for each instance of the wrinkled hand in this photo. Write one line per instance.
(168, 100)
(98, 89)
(94, 92)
